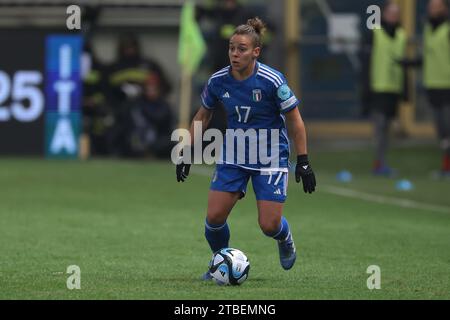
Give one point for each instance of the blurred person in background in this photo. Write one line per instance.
(436, 72)
(152, 121)
(129, 73)
(98, 117)
(126, 79)
(383, 79)
(226, 15)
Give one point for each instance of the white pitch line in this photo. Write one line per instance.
(349, 193)
(404, 203)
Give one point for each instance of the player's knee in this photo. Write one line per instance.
(216, 217)
(269, 227)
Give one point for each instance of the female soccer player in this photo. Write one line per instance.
(257, 99)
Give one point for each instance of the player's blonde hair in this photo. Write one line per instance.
(255, 28)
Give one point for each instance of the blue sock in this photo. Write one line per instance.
(217, 235)
(282, 232)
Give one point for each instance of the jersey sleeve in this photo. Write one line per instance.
(284, 97)
(209, 96)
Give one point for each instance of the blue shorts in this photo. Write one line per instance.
(269, 186)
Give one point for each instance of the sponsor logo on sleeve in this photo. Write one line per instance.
(288, 103)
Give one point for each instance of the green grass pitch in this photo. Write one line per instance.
(136, 233)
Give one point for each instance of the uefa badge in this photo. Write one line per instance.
(284, 92)
(257, 95)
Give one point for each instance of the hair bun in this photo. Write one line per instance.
(257, 24)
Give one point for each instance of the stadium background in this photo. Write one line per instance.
(112, 215)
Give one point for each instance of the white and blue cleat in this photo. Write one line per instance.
(206, 276)
(287, 252)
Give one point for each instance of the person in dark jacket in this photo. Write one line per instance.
(126, 79)
(152, 121)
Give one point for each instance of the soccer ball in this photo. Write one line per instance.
(229, 266)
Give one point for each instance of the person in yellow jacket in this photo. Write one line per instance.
(384, 79)
(436, 72)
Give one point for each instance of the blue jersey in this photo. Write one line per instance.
(254, 105)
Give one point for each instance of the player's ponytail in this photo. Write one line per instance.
(255, 28)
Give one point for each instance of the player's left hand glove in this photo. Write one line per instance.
(304, 172)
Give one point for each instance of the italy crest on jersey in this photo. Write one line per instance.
(257, 95)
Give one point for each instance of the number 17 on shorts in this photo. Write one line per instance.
(271, 186)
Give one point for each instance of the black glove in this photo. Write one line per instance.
(303, 171)
(182, 169)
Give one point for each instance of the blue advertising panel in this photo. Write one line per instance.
(63, 95)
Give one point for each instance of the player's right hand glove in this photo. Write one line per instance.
(304, 172)
(182, 171)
